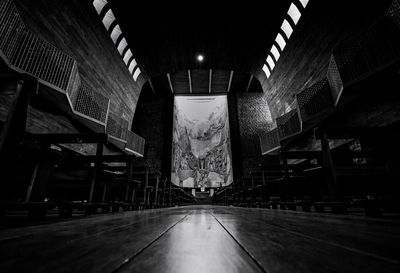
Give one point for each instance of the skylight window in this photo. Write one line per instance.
(108, 19)
(99, 5)
(127, 57)
(116, 32)
(132, 66)
(294, 13)
(266, 71)
(304, 3)
(275, 52)
(122, 45)
(287, 28)
(136, 74)
(280, 41)
(270, 62)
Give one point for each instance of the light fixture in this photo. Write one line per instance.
(200, 58)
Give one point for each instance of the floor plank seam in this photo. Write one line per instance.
(338, 245)
(241, 246)
(128, 260)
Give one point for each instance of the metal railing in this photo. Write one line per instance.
(91, 103)
(289, 124)
(360, 57)
(314, 100)
(28, 52)
(117, 127)
(135, 143)
(394, 12)
(269, 141)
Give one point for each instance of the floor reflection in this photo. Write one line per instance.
(197, 244)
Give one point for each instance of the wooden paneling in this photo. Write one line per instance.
(306, 56)
(74, 27)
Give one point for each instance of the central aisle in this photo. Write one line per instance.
(205, 239)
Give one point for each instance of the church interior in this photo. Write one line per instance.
(238, 137)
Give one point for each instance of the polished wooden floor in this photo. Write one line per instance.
(205, 239)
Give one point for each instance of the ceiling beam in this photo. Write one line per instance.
(248, 85)
(230, 82)
(190, 81)
(209, 81)
(170, 83)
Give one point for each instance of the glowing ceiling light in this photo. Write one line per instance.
(108, 19)
(136, 74)
(266, 71)
(99, 5)
(200, 58)
(294, 13)
(280, 41)
(270, 62)
(304, 3)
(287, 28)
(275, 52)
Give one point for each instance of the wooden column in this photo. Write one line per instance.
(13, 131)
(96, 169)
(329, 168)
(170, 201)
(156, 193)
(164, 189)
(264, 199)
(285, 176)
(252, 188)
(146, 184)
(103, 199)
(31, 182)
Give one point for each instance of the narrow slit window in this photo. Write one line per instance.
(136, 74)
(99, 5)
(275, 52)
(122, 45)
(127, 57)
(132, 66)
(304, 3)
(287, 28)
(270, 62)
(116, 32)
(108, 19)
(280, 41)
(266, 71)
(294, 13)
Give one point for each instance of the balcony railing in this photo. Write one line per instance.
(269, 141)
(135, 144)
(289, 124)
(364, 55)
(117, 127)
(315, 100)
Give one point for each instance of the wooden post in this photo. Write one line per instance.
(103, 199)
(156, 193)
(31, 182)
(252, 188)
(146, 184)
(13, 131)
(285, 176)
(329, 167)
(264, 199)
(170, 185)
(164, 189)
(96, 169)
